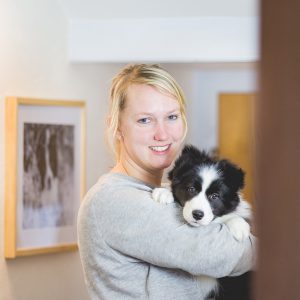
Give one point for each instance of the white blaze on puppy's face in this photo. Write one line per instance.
(200, 202)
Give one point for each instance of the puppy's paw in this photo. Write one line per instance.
(239, 228)
(162, 195)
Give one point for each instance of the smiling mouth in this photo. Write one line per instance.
(160, 148)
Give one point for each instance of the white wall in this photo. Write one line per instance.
(34, 63)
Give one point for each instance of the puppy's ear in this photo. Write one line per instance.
(189, 157)
(171, 174)
(191, 152)
(196, 156)
(233, 176)
(184, 160)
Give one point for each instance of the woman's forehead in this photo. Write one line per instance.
(146, 97)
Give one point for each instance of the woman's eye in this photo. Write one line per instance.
(144, 121)
(191, 189)
(173, 117)
(213, 196)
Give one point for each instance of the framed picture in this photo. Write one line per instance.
(44, 174)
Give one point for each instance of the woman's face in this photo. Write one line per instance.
(151, 129)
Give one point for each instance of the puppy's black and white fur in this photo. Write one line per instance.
(208, 191)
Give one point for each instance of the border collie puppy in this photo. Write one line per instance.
(208, 191)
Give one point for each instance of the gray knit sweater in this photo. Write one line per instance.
(134, 248)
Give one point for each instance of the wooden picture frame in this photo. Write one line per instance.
(44, 174)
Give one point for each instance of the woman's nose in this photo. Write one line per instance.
(161, 133)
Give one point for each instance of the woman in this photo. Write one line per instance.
(130, 246)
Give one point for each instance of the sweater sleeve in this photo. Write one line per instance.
(133, 224)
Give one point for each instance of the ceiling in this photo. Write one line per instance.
(108, 9)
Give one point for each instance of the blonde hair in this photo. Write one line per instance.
(150, 74)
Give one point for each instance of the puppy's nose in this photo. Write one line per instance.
(198, 214)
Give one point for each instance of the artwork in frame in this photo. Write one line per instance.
(44, 174)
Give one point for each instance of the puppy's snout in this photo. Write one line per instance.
(198, 214)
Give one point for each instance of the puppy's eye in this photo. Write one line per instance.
(191, 189)
(213, 196)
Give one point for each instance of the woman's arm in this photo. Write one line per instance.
(133, 224)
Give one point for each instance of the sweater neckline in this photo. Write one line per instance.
(130, 178)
